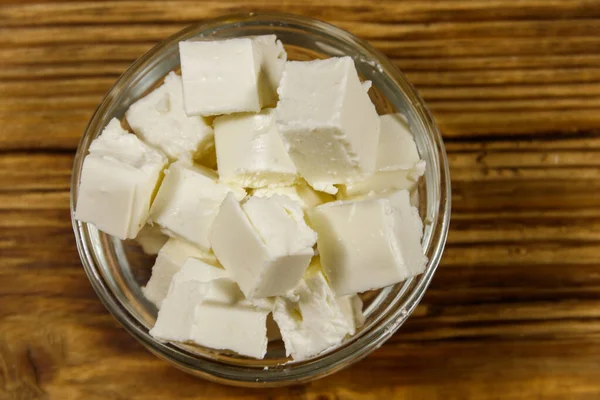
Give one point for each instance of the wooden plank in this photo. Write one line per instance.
(45, 55)
(63, 127)
(21, 172)
(513, 309)
(101, 69)
(362, 10)
(131, 32)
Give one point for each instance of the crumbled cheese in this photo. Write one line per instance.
(237, 271)
(301, 193)
(160, 120)
(313, 321)
(188, 201)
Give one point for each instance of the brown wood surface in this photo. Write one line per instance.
(514, 310)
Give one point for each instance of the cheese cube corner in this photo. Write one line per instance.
(231, 75)
(187, 202)
(327, 121)
(250, 152)
(118, 180)
(369, 244)
(264, 244)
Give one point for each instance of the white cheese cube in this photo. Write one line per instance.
(151, 239)
(398, 163)
(351, 307)
(301, 193)
(327, 121)
(171, 258)
(232, 75)
(188, 201)
(264, 244)
(159, 119)
(368, 244)
(313, 321)
(241, 328)
(211, 314)
(177, 314)
(250, 152)
(106, 196)
(118, 179)
(176, 317)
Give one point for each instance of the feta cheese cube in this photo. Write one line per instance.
(250, 152)
(177, 314)
(118, 178)
(398, 163)
(264, 244)
(369, 244)
(169, 323)
(241, 328)
(171, 258)
(232, 75)
(327, 121)
(151, 239)
(159, 119)
(212, 314)
(313, 321)
(188, 201)
(301, 193)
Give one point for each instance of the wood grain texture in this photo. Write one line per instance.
(514, 310)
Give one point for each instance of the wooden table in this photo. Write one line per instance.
(514, 310)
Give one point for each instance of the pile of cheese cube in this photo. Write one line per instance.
(271, 190)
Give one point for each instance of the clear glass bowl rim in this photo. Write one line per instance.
(348, 353)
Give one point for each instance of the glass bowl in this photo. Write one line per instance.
(118, 269)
